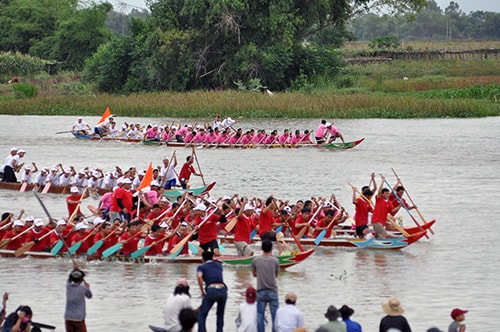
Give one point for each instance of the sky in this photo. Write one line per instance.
(466, 6)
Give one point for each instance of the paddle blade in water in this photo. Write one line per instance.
(111, 250)
(320, 237)
(57, 247)
(74, 248)
(24, 248)
(192, 248)
(95, 247)
(139, 252)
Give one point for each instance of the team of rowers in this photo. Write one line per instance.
(220, 132)
(124, 217)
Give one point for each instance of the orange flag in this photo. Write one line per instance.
(148, 177)
(105, 115)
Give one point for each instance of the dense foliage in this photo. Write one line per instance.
(61, 31)
(212, 44)
(432, 23)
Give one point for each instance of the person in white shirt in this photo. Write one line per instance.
(167, 172)
(288, 318)
(247, 315)
(81, 127)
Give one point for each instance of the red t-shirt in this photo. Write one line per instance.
(186, 171)
(266, 221)
(42, 244)
(243, 228)
(207, 231)
(382, 209)
(323, 222)
(174, 241)
(156, 249)
(72, 207)
(126, 197)
(362, 209)
(131, 245)
(16, 243)
(76, 237)
(395, 201)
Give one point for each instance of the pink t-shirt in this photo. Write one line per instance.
(320, 131)
(106, 200)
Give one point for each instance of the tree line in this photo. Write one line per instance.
(432, 23)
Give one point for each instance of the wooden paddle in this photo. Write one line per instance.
(411, 200)
(4, 242)
(143, 250)
(28, 245)
(190, 234)
(404, 207)
(199, 168)
(46, 188)
(50, 218)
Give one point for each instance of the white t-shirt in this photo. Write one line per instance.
(174, 305)
(247, 317)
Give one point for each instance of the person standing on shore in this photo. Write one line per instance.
(266, 268)
(77, 289)
(394, 319)
(215, 290)
(458, 320)
(346, 313)
(289, 317)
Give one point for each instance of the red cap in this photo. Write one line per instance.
(457, 312)
(251, 294)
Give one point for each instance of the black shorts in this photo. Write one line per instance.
(210, 246)
(360, 229)
(270, 235)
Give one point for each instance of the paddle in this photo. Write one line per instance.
(4, 242)
(111, 250)
(190, 234)
(304, 228)
(99, 243)
(46, 188)
(322, 234)
(28, 245)
(63, 132)
(199, 168)
(404, 206)
(43, 326)
(50, 218)
(411, 200)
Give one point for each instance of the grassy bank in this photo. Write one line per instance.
(257, 105)
(392, 89)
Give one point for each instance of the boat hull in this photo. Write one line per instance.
(105, 138)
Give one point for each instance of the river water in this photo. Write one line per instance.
(449, 166)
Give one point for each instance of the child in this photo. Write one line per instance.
(458, 317)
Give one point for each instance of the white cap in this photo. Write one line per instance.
(184, 224)
(327, 204)
(96, 174)
(54, 168)
(21, 151)
(80, 118)
(98, 221)
(61, 222)
(200, 207)
(124, 126)
(30, 218)
(173, 127)
(18, 223)
(163, 225)
(45, 169)
(13, 149)
(212, 199)
(81, 225)
(27, 167)
(74, 190)
(126, 181)
(67, 170)
(226, 198)
(287, 209)
(328, 124)
(154, 183)
(248, 206)
(38, 222)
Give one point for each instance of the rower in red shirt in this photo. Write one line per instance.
(186, 171)
(73, 200)
(363, 208)
(130, 238)
(121, 201)
(155, 235)
(16, 240)
(179, 234)
(301, 221)
(36, 234)
(243, 228)
(207, 232)
(81, 234)
(382, 211)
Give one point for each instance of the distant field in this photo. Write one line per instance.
(449, 45)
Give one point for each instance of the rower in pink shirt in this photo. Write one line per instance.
(222, 138)
(200, 136)
(152, 133)
(189, 136)
(271, 139)
(295, 138)
(283, 138)
(235, 138)
(333, 132)
(166, 136)
(259, 138)
(306, 137)
(211, 137)
(320, 132)
(246, 139)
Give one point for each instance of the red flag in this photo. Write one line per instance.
(105, 115)
(148, 177)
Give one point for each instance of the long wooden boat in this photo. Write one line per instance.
(285, 260)
(53, 189)
(105, 138)
(346, 238)
(331, 146)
